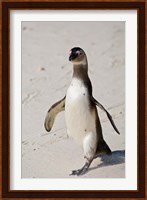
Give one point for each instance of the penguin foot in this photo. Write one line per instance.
(81, 171)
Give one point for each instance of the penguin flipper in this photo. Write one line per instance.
(52, 113)
(108, 114)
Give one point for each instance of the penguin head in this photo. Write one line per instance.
(77, 55)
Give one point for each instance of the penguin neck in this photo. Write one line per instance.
(80, 71)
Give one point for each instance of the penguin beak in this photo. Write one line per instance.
(72, 56)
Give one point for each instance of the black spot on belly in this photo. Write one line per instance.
(85, 130)
(83, 93)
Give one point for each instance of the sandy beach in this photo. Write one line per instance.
(46, 75)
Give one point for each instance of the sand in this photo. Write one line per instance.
(46, 75)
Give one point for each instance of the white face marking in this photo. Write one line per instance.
(78, 52)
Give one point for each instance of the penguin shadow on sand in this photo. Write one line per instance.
(117, 157)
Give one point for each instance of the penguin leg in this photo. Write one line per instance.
(102, 148)
(89, 146)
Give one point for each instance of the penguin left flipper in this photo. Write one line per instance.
(108, 114)
(52, 113)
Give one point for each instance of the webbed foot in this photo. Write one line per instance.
(81, 171)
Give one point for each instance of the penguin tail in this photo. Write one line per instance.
(102, 148)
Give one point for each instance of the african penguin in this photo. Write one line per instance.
(81, 115)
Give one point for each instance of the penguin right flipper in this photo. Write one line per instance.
(52, 113)
(108, 114)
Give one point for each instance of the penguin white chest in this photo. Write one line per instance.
(80, 119)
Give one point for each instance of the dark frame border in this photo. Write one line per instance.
(6, 6)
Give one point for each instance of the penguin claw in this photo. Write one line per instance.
(81, 171)
(74, 172)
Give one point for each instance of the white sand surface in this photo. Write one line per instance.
(46, 75)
